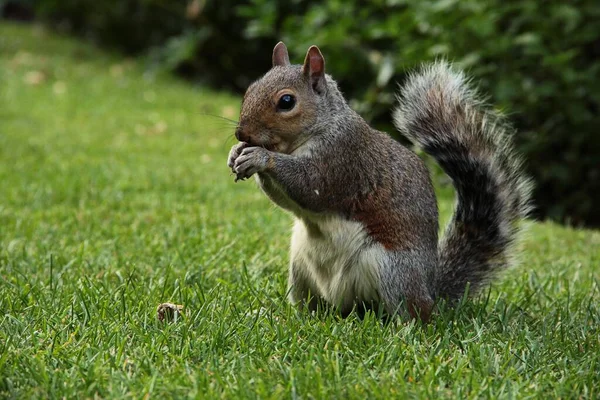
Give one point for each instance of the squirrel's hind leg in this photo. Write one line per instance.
(404, 283)
(301, 291)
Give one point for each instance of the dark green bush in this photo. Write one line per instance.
(538, 60)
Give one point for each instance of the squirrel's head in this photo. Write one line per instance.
(281, 108)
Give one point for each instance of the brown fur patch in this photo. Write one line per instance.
(392, 228)
(271, 162)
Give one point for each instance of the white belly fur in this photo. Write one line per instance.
(340, 261)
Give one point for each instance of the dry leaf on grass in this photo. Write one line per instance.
(169, 312)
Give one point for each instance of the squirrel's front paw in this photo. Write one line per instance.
(234, 153)
(250, 161)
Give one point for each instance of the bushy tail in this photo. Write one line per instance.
(442, 113)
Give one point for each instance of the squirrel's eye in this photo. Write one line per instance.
(286, 102)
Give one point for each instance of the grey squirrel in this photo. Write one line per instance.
(366, 216)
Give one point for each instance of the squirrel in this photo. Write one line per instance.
(366, 216)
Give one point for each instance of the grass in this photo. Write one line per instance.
(115, 197)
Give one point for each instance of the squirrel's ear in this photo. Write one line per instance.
(314, 68)
(280, 55)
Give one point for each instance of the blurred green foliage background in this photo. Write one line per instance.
(539, 61)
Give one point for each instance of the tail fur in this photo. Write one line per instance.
(440, 112)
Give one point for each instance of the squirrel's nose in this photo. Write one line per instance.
(239, 134)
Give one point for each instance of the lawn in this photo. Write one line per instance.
(115, 197)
